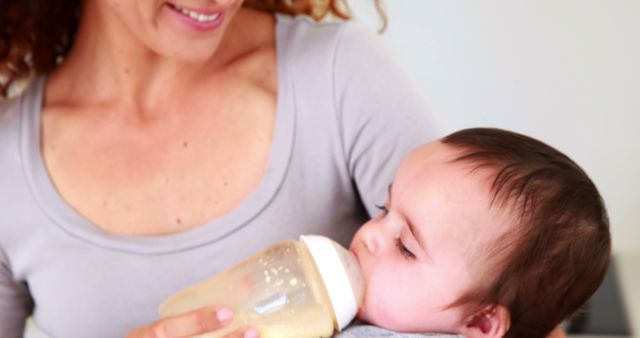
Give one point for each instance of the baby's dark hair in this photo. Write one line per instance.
(555, 256)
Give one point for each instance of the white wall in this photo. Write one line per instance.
(564, 71)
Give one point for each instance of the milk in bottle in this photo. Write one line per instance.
(295, 289)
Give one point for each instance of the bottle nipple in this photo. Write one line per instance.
(340, 274)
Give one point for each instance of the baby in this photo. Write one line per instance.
(486, 233)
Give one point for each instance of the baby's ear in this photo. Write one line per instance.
(492, 321)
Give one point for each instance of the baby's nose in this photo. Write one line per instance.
(372, 242)
(378, 239)
(376, 236)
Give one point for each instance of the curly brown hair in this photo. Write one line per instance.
(35, 35)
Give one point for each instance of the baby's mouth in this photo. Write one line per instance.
(355, 250)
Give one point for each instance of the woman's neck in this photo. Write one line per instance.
(109, 64)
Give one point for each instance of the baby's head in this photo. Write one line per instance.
(486, 233)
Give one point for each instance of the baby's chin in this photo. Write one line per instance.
(377, 319)
(380, 321)
(361, 315)
(395, 321)
(388, 320)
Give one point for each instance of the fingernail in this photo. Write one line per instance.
(251, 333)
(224, 315)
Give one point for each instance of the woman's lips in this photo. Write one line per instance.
(201, 19)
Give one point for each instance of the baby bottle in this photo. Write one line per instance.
(295, 289)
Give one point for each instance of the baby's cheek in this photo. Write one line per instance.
(379, 311)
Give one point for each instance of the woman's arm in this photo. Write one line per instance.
(383, 112)
(15, 302)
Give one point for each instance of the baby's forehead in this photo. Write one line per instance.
(440, 155)
(436, 161)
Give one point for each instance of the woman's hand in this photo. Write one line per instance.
(191, 324)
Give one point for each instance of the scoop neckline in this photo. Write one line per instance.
(69, 220)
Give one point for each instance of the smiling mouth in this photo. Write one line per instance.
(195, 15)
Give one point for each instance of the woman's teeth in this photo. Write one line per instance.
(197, 16)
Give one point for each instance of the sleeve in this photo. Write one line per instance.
(382, 111)
(15, 303)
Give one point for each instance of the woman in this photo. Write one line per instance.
(165, 140)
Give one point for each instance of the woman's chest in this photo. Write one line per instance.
(152, 175)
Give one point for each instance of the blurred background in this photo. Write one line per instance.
(564, 71)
